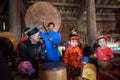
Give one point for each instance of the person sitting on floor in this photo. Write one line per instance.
(32, 53)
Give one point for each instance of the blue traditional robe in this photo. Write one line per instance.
(53, 53)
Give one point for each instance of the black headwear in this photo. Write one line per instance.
(26, 29)
(32, 31)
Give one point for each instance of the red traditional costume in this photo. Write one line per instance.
(72, 57)
(103, 54)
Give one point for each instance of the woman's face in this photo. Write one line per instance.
(102, 42)
(51, 27)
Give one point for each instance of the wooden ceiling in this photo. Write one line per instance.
(73, 8)
(107, 6)
(69, 9)
(106, 9)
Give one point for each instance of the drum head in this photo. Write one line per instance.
(52, 66)
(42, 12)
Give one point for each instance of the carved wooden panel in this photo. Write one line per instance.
(66, 29)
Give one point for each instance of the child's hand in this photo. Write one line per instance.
(95, 55)
(112, 56)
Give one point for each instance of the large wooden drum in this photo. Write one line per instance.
(52, 71)
(8, 43)
(41, 12)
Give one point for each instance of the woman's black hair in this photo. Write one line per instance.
(51, 23)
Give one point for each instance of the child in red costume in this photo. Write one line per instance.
(103, 54)
(80, 42)
(72, 58)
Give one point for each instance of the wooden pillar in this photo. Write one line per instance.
(91, 21)
(15, 18)
(81, 12)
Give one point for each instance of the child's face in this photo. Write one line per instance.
(102, 42)
(74, 43)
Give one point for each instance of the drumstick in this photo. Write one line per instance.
(42, 23)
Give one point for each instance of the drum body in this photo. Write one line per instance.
(52, 71)
(8, 43)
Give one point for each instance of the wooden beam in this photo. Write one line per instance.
(107, 6)
(105, 19)
(74, 5)
(69, 13)
(105, 14)
(57, 4)
(69, 18)
(77, 5)
(75, 13)
(65, 4)
(101, 19)
(97, 14)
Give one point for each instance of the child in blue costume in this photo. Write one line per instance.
(52, 40)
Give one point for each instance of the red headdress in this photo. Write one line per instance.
(73, 37)
(101, 37)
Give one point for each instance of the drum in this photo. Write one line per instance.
(52, 71)
(8, 42)
(89, 72)
(42, 12)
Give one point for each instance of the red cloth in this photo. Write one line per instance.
(23, 39)
(26, 67)
(103, 53)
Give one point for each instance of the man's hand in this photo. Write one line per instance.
(51, 39)
(54, 45)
